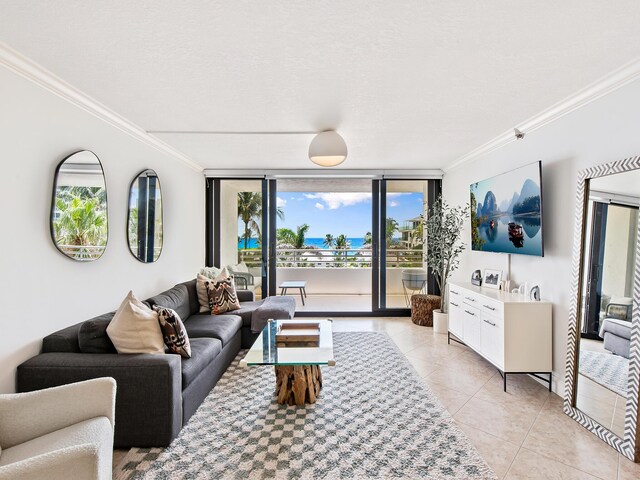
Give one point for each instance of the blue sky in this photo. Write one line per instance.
(342, 212)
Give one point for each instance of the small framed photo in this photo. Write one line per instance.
(492, 278)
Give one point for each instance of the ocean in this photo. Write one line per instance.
(313, 242)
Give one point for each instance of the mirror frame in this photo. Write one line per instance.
(131, 185)
(53, 204)
(629, 446)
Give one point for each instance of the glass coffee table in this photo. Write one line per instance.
(297, 368)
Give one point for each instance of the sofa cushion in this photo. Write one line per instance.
(246, 310)
(173, 331)
(203, 351)
(222, 327)
(65, 340)
(620, 328)
(92, 336)
(201, 291)
(194, 304)
(135, 328)
(222, 294)
(176, 298)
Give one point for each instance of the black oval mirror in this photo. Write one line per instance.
(144, 224)
(79, 217)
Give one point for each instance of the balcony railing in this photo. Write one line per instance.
(333, 258)
(83, 253)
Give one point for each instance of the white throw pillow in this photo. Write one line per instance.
(201, 289)
(135, 328)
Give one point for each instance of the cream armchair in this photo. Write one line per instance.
(63, 432)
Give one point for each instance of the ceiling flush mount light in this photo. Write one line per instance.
(328, 149)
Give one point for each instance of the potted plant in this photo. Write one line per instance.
(443, 228)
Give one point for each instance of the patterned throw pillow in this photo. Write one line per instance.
(173, 331)
(222, 294)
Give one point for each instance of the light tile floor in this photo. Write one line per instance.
(522, 434)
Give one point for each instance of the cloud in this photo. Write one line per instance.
(319, 206)
(393, 203)
(334, 200)
(280, 202)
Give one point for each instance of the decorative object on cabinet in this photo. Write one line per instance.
(492, 278)
(144, 224)
(476, 278)
(534, 293)
(443, 227)
(606, 269)
(79, 226)
(510, 332)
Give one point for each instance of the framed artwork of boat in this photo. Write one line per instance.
(506, 212)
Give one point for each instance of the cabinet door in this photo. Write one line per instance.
(493, 339)
(472, 327)
(456, 320)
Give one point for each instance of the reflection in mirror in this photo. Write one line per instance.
(144, 228)
(608, 272)
(79, 207)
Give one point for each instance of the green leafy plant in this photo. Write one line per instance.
(329, 241)
(81, 222)
(250, 214)
(443, 227)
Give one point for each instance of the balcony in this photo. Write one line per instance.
(337, 279)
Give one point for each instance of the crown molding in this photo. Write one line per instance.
(397, 174)
(27, 68)
(607, 84)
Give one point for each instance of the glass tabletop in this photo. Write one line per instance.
(265, 352)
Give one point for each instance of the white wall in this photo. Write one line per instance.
(228, 224)
(603, 131)
(619, 249)
(43, 291)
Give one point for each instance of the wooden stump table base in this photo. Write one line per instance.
(297, 385)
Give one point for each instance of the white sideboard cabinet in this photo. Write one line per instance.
(509, 330)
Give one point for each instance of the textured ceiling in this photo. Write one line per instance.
(409, 84)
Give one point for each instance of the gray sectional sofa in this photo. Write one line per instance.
(156, 394)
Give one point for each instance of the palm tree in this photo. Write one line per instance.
(81, 223)
(391, 228)
(250, 213)
(285, 236)
(342, 243)
(329, 241)
(300, 235)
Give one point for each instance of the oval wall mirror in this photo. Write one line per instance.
(79, 225)
(144, 225)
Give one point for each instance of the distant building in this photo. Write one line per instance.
(410, 233)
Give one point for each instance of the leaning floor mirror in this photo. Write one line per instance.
(603, 363)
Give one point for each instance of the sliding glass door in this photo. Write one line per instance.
(357, 244)
(403, 205)
(238, 212)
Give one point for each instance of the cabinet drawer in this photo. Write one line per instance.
(492, 307)
(456, 319)
(472, 327)
(492, 332)
(455, 292)
(471, 298)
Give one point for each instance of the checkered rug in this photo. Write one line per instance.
(611, 371)
(374, 418)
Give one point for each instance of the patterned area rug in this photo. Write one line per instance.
(374, 418)
(610, 371)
